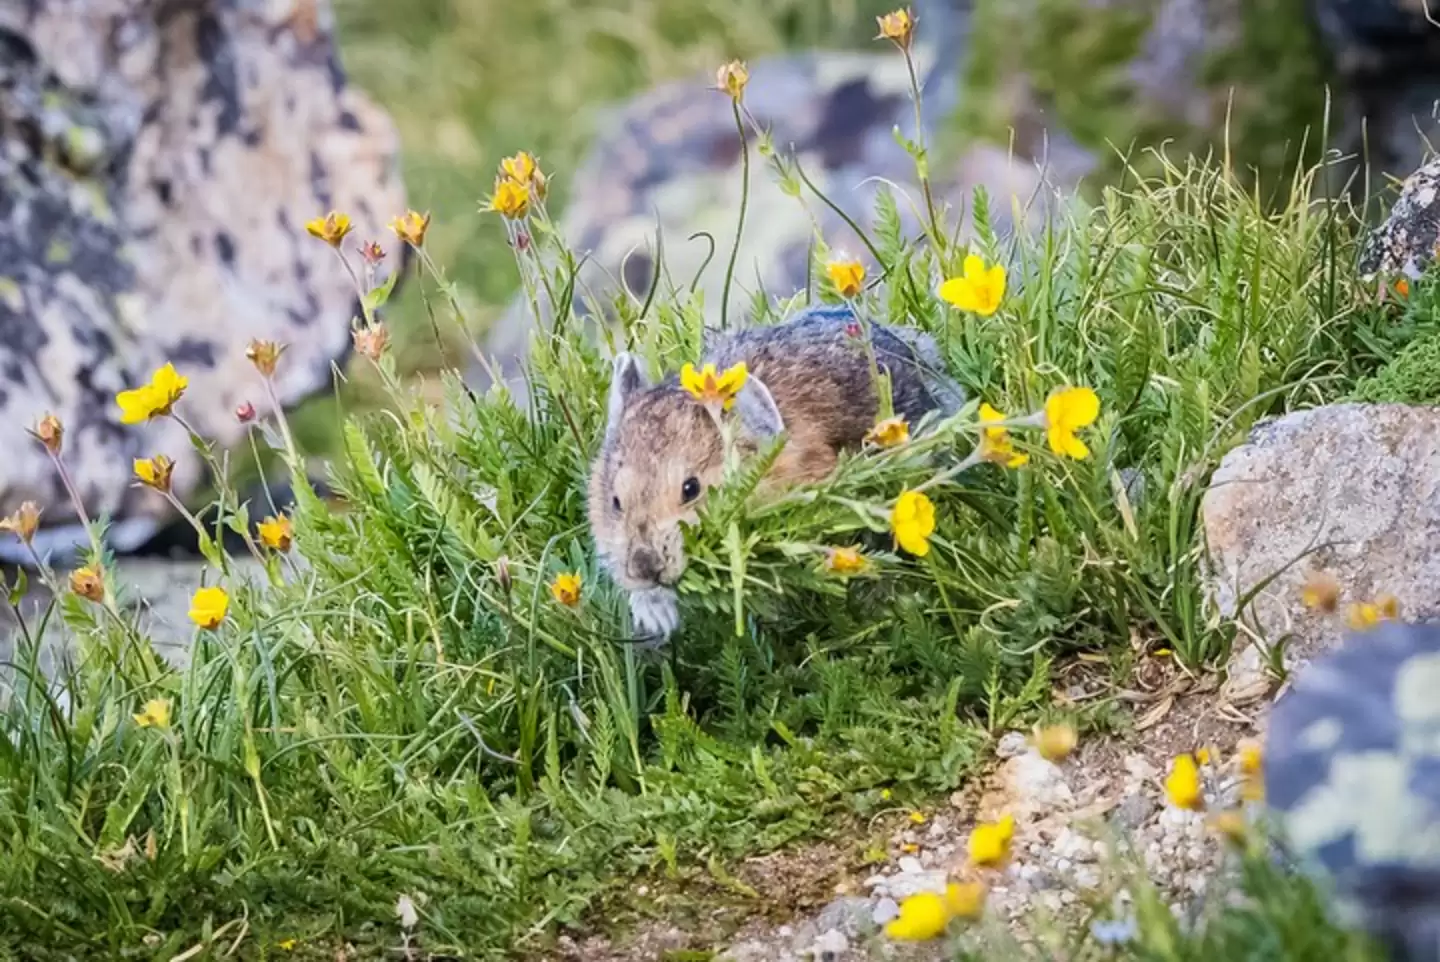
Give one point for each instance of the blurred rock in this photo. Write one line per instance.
(1353, 488)
(1387, 56)
(157, 165)
(671, 159)
(1405, 244)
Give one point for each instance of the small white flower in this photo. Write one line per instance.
(1116, 932)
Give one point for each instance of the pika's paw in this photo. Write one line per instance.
(655, 613)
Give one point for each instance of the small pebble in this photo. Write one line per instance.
(885, 910)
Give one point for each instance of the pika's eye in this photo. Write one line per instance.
(690, 490)
(615, 503)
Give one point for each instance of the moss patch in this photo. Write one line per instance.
(1411, 377)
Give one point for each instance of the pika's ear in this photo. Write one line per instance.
(757, 411)
(626, 380)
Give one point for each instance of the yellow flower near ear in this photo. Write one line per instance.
(996, 445)
(521, 168)
(153, 399)
(898, 26)
(1067, 411)
(990, 842)
(208, 607)
(565, 589)
(913, 522)
(331, 228)
(155, 714)
(979, 289)
(511, 199)
(710, 388)
(923, 916)
(889, 432)
(1182, 785)
(847, 276)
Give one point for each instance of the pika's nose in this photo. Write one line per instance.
(645, 565)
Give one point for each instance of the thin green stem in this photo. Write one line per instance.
(740, 222)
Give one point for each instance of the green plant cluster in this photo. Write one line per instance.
(402, 710)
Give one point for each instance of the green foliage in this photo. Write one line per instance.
(1411, 370)
(409, 712)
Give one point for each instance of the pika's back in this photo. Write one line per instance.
(815, 367)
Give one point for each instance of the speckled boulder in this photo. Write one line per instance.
(671, 160)
(157, 164)
(1352, 776)
(1405, 244)
(1349, 489)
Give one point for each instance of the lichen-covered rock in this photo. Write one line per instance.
(1352, 772)
(1405, 244)
(157, 164)
(1352, 490)
(671, 160)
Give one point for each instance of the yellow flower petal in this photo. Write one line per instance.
(276, 533)
(965, 900)
(889, 432)
(923, 916)
(913, 522)
(990, 842)
(1183, 786)
(208, 607)
(1066, 411)
(565, 589)
(155, 714)
(847, 276)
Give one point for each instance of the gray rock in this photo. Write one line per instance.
(851, 915)
(670, 160)
(1133, 811)
(1404, 245)
(1386, 54)
(157, 165)
(1353, 488)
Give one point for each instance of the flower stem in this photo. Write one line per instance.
(922, 161)
(740, 222)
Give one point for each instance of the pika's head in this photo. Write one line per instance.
(660, 455)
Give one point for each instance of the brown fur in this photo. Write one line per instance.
(816, 372)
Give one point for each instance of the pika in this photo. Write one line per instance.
(808, 376)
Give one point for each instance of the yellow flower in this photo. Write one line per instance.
(276, 533)
(918, 818)
(1203, 755)
(521, 168)
(1251, 756)
(208, 607)
(965, 900)
(287, 945)
(710, 388)
(1231, 825)
(510, 199)
(913, 521)
(886, 794)
(264, 355)
(331, 228)
(370, 341)
(923, 916)
(898, 26)
(155, 472)
(1055, 742)
(153, 399)
(1402, 287)
(732, 78)
(1067, 411)
(847, 276)
(889, 432)
(566, 589)
(1182, 785)
(995, 443)
(50, 433)
(411, 228)
(155, 714)
(1363, 616)
(909, 848)
(979, 289)
(88, 583)
(990, 842)
(1389, 607)
(845, 561)
(24, 522)
(1320, 592)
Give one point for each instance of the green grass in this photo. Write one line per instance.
(409, 713)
